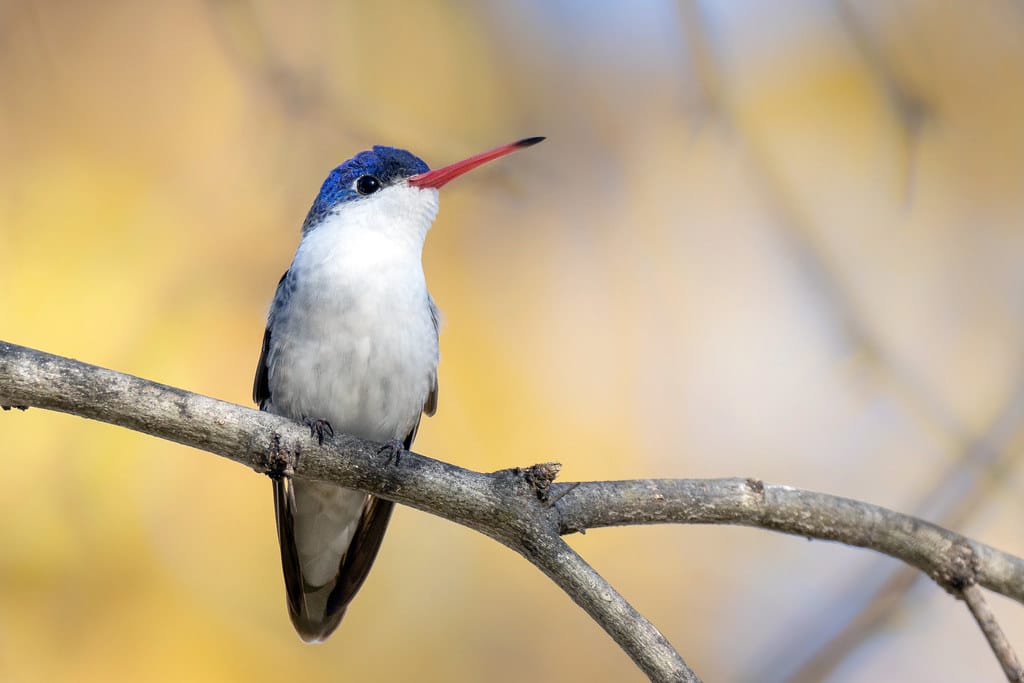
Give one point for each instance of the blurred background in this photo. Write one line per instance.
(779, 240)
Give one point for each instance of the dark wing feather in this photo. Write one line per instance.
(284, 511)
(356, 562)
(430, 407)
(261, 385)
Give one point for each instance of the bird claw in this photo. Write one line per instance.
(318, 428)
(394, 449)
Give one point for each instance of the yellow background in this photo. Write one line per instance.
(780, 240)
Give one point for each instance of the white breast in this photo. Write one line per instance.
(357, 345)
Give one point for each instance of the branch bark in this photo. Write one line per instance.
(520, 508)
(986, 620)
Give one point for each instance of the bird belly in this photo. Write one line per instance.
(370, 383)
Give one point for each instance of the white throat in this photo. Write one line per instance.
(394, 220)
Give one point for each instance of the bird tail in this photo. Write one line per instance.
(316, 607)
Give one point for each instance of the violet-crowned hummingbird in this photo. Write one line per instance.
(351, 346)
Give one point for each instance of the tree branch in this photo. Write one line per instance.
(949, 558)
(520, 508)
(993, 633)
(504, 505)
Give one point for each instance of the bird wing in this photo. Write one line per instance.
(261, 384)
(430, 406)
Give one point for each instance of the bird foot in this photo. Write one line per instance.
(318, 428)
(394, 449)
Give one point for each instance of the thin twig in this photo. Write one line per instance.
(1001, 647)
(598, 598)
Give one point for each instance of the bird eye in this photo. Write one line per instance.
(367, 184)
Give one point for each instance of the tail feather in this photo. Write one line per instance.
(316, 610)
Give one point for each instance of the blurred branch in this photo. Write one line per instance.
(520, 508)
(810, 658)
(301, 93)
(799, 237)
(993, 633)
(910, 109)
(246, 42)
(705, 101)
(312, 94)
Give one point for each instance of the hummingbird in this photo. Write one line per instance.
(351, 345)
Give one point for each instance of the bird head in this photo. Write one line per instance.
(393, 180)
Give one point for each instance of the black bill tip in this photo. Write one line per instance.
(529, 142)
